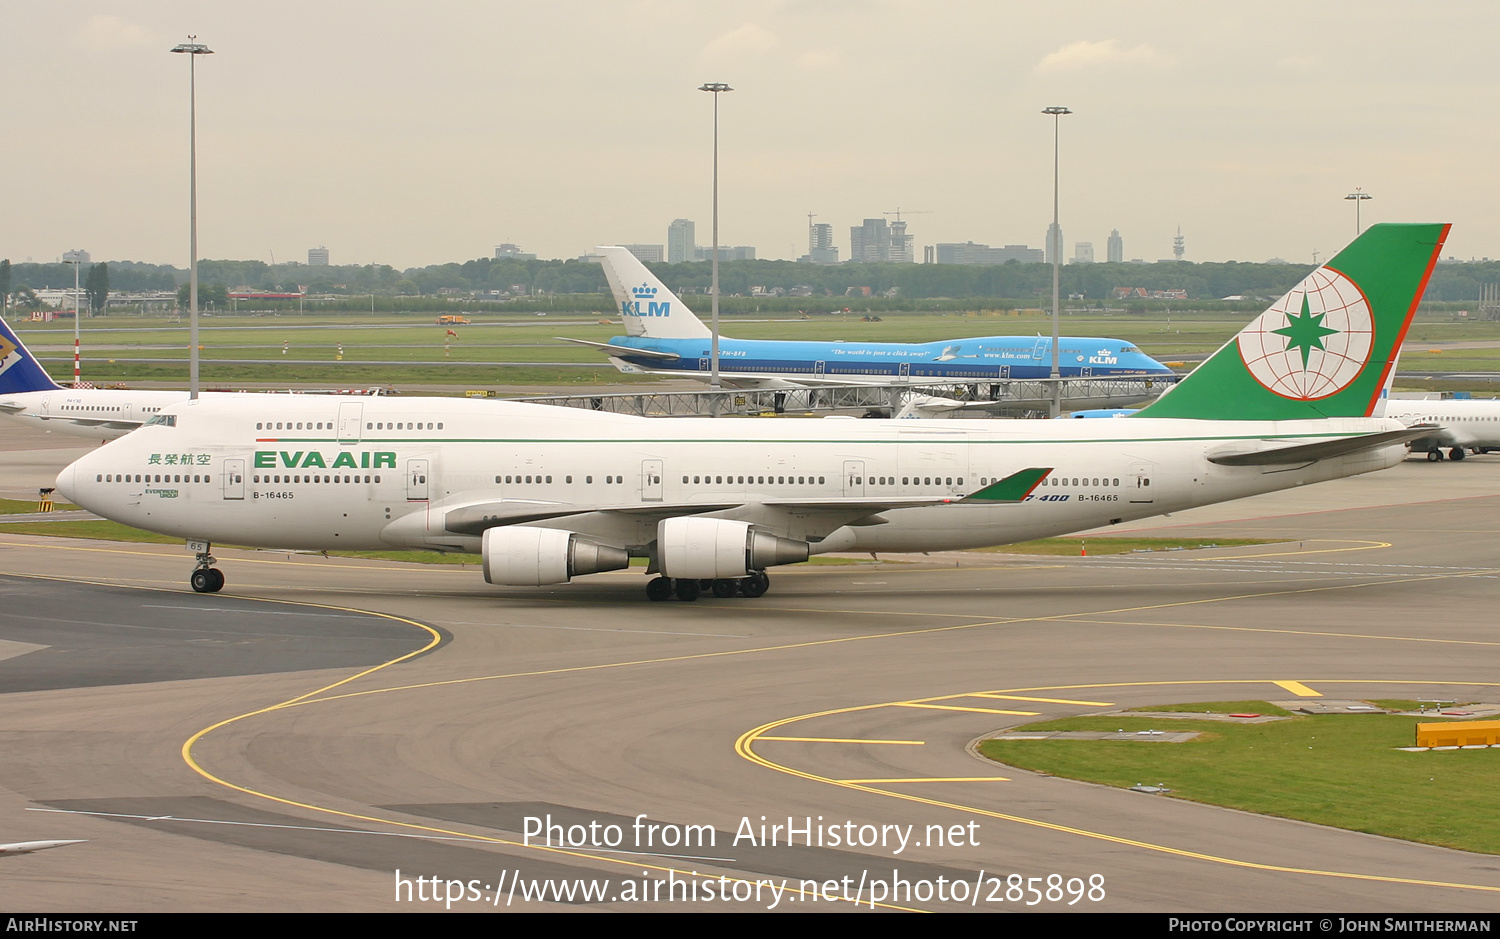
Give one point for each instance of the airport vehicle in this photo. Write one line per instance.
(546, 494)
(665, 338)
(452, 319)
(30, 396)
(1463, 425)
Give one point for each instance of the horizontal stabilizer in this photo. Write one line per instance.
(1013, 488)
(613, 349)
(1324, 449)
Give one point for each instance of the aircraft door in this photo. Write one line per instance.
(1004, 371)
(1086, 372)
(350, 416)
(1138, 484)
(819, 367)
(703, 364)
(234, 479)
(905, 370)
(854, 478)
(416, 481)
(651, 471)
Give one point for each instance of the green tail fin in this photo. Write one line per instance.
(1327, 347)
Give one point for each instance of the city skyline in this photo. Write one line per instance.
(1180, 116)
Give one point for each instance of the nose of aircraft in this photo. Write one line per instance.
(65, 482)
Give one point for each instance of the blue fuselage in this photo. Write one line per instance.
(986, 357)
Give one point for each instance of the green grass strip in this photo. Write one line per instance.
(1337, 770)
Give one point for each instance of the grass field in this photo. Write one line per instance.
(1339, 770)
(114, 345)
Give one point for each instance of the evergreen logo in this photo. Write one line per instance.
(1314, 341)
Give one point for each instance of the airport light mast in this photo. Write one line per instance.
(716, 89)
(76, 258)
(1357, 196)
(1055, 236)
(192, 49)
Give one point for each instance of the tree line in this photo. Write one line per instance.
(1024, 282)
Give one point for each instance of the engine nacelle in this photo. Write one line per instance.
(531, 557)
(713, 548)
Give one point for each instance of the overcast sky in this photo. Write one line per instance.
(411, 134)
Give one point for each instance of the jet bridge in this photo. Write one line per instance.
(999, 398)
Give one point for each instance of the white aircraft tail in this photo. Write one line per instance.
(649, 308)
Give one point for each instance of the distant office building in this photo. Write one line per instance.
(647, 254)
(878, 240)
(726, 253)
(1116, 247)
(1083, 253)
(870, 242)
(820, 247)
(1054, 243)
(510, 252)
(681, 241)
(317, 257)
(971, 253)
(901, 250)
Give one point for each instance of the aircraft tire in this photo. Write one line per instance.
(1435, 455)
(724, 588)
(752, 586)
(202, 581)
(1457, 453)
(218, 580)
(687, 589)
(659, 588)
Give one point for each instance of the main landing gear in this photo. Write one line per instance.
(205, 577)
(1455, 454)
(754, 584)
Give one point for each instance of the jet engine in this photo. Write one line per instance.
(530, 557)
(714, 548)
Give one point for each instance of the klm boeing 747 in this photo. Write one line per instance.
(665, 338)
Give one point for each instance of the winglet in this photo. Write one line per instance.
(1013, 488)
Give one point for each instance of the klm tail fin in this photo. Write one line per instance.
(649, 308)
(1327, 348)
(19, 371)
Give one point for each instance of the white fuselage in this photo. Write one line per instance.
(95, 413)
(324, 473)
(1473, 423)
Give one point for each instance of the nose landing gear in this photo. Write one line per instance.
(205, 577)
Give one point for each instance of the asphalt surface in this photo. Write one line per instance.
(845, 699)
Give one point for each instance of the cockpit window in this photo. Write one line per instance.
(163, 420)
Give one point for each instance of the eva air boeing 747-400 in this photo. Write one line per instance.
(546, 494)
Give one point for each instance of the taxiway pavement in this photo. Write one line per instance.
(311, 774)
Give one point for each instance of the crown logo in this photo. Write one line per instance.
(644, 291)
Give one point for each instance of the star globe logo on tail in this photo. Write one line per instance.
(1314, 341)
